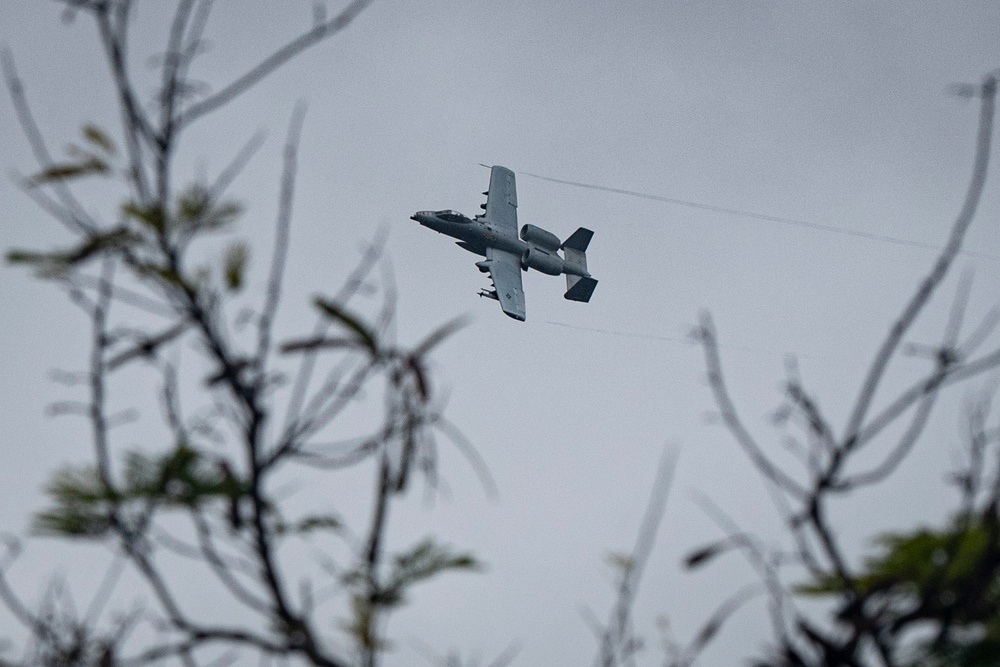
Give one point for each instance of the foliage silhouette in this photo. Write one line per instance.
(209, 491)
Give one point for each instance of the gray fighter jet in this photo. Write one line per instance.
(494, 236)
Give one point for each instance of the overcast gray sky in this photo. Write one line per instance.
(831, 113)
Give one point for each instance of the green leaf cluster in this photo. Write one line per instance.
(55, 263)
(196, 213)
(981, 649)
(82, 508)
(83, 161)
(152, 232)
(85, 506)
(309, 524)
(85, 165)
(948, 577)
(921, 562)
(363, 335)
(98, 138)
(424, 560)
(183, 476)
(234, 266)
(150, 216)
(197, 209)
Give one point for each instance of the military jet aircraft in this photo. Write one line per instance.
(494, 236)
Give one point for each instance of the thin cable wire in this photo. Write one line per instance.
(689, 340)
(758, 216)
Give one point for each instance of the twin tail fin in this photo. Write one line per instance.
(579, 285)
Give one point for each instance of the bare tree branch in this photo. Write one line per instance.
(72, 212)
(260, 71)
(280, 242)
(930, 283)
(617, 642)
(731, 418)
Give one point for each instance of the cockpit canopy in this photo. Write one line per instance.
(451, 216)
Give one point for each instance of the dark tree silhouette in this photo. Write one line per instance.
(207, 486)
(938, 583)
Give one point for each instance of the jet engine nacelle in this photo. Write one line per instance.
(541, 260)
(540, 237)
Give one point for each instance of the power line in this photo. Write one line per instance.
(690, 340)
(758, 216)
(623, 334)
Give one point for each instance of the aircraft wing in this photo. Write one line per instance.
(501, 201)
(505, 271)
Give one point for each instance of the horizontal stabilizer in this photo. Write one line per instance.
(579, 240)
(581, 289)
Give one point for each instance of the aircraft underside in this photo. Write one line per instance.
(494, 236)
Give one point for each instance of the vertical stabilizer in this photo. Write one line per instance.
(579, 285)
(578, 240)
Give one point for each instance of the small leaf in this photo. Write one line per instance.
(621, 562)
(223, 214)
(96, 136)
(235, 264)
(312, 523)
(351, 321)
(28, 257)
(166, 274)
(192, 203)
(150, 215)
(319, 523)
(197, 211)
(97, 242)
(71, 521)
(363, 627)
(316, 343)
(67, 170)
(423, 561)
(56, 262)
(701, 556)
(82, 504)
(965, 91)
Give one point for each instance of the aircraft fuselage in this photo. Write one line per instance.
(476, 234)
